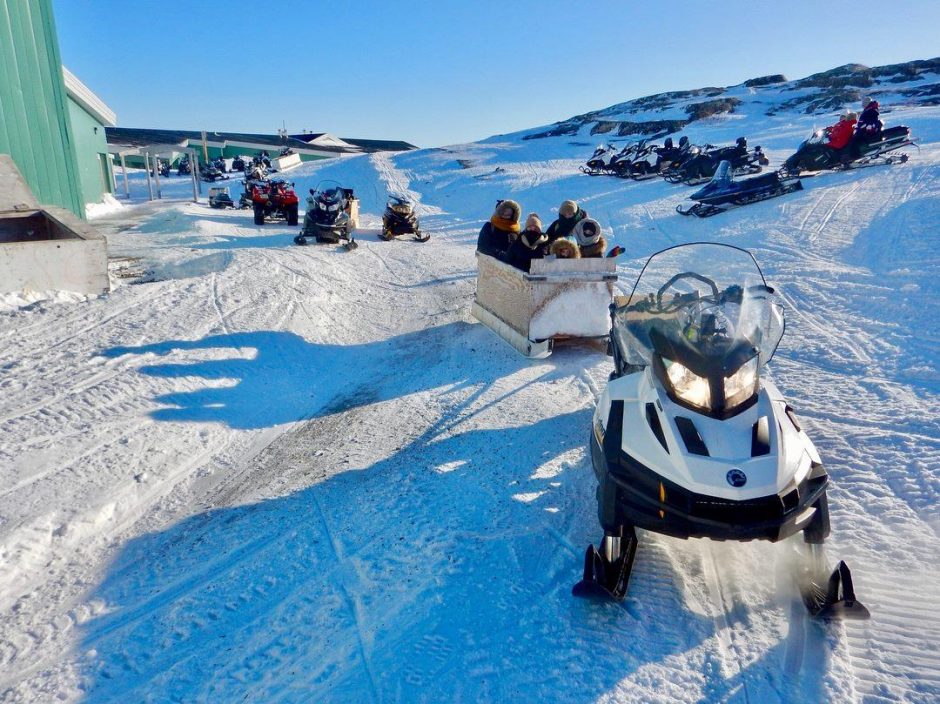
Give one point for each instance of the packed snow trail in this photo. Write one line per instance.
(301, 474)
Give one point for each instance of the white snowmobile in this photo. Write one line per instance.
(599, 162)
(689, 439)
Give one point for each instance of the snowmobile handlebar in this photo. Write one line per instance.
(685, 275)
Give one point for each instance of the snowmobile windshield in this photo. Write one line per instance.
(329, 195)
(703, 316)
(401, 206)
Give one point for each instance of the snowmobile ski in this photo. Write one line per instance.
(607, 572)
(829, 596)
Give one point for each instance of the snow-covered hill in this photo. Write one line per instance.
(914, 83)
(277, 473)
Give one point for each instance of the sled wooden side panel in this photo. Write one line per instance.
(557, 299)
(503, 290)
(354, 213)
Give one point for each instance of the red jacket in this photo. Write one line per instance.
(840, 133)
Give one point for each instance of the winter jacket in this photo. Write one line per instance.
(868, 122)
(520, 254)
(840, 134)
(494, 241)
(562, 227)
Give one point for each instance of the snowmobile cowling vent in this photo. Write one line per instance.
(693, 441)
(760, 437)
(652, 417)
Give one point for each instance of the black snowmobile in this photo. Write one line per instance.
(400, 219)
(210, 173)
(723, 193)
(238, 163)
(669, 156)
(815, 155)
(689, 437)
(184, 168)
(702, 163)
(331, 215)
(638, 161)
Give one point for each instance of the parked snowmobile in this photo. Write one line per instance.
(184, 167)
(690, 440)
(641, 163)
(670, 156)
(219, 198)
(702, 163)
(723, 193)
(815, 155)
(599, 163)
(163, 168)
(210, 173)
(219, 163)
(332, 215)
(400, 219)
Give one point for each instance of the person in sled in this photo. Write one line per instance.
(531, 244)
(569, 215)
(564, 249)
(502, 228)
(590, 241)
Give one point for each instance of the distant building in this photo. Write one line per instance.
(52, 124)
(310, 146)
(89, 117)
(366, 145)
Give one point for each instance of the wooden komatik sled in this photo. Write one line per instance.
(558, 299)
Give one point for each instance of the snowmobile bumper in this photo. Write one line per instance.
(646, 500)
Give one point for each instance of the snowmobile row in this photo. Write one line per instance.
(723, 193)
(682, 163)
(701, 163)
(691, 440)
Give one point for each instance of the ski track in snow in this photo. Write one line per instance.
(301, 474)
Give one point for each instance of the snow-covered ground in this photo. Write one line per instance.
(286, 474)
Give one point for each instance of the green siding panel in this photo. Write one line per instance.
(90, 145)
(34, 116)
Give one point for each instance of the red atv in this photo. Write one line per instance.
(274, 199)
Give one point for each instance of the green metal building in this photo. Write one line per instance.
(56, 141)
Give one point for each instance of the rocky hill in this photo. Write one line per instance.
(911, 83)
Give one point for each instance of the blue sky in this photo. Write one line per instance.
(436, 73)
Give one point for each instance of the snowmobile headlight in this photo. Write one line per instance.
(322, 205)
(334, 206)
(741, 385)
(687, 385)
